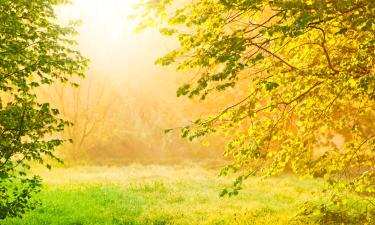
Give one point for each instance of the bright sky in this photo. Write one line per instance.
(106, 19)
(108, 39)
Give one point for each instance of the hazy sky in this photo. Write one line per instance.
(108, 39)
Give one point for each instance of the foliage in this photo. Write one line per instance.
(34, 51)
(307, 68)
(338, 208)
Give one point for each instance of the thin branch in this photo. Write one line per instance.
(325, 50)
(276, 56)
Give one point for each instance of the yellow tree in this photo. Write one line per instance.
(307, 71)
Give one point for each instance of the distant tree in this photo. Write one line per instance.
(307, 70)
(88, 108)
(34, 51)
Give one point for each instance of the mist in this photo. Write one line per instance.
(122, 107)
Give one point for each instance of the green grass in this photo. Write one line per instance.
(163, 195)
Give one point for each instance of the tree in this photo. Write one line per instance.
(88, 108)
(35, 51)
(304, 74)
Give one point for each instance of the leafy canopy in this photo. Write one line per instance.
(303, 77)
(34, 51)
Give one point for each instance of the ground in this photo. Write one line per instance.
(154, 194)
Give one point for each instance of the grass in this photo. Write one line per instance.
(161, 195)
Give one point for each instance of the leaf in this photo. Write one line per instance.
(271, 85)
(166, 131)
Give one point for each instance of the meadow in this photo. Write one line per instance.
(155, 194)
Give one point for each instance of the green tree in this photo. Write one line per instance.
(34, 51)
(307, 71)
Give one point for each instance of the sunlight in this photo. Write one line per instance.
(107, 37)
(106, 19)
(212, 112)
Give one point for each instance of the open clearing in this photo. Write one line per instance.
(186, 194)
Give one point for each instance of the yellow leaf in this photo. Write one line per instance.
(205, 143)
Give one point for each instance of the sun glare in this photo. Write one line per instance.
(107, 37)
(105, 19)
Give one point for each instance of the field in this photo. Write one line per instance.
(186, 194)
